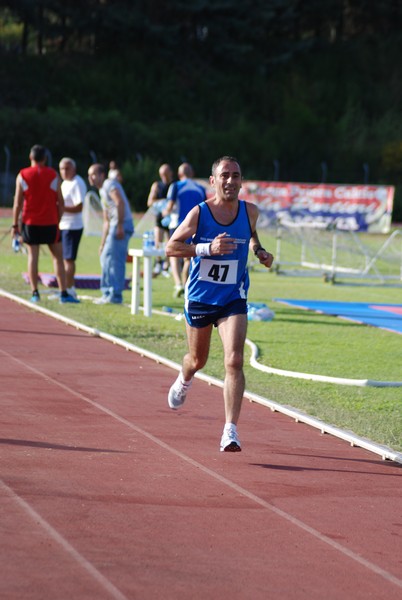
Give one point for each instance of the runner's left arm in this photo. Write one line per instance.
(265, 258)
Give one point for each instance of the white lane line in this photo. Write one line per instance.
(386, 575)
(59, 539)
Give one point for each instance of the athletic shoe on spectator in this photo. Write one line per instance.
(178, 291)
(102, 300)
(66, 298)
(107, 300)
(157, 269)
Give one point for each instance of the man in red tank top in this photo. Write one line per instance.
(38, 196)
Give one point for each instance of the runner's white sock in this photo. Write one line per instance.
(183, 381)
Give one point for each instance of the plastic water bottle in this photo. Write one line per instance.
(16, 244)
(148, 241)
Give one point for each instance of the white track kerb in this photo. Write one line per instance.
(385, 452)
(313, 377)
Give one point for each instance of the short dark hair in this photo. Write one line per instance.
(99, 168)
(38, 153)
(222, 159)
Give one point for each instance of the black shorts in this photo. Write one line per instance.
(200, 315)
(158, 222)
(33, 235)
(70, 238)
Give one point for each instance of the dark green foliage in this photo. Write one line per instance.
(306, 84)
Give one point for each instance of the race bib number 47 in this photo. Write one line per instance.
(219, 271)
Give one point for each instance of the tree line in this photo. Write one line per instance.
(299, 89)
(259, 32)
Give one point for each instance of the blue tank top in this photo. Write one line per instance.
(218, 280)
(187, 193)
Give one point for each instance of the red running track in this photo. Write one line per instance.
(106, 493)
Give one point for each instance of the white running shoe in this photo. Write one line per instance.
(157, 269)
(178, 393)
(178, 291)
(230, 441)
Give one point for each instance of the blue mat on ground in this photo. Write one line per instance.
(384, 316)
(83, 282)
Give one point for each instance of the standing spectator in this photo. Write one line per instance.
(38, 195)
(157, 199)
(183, 195)
(71, 225)
(114, 172)
(117, 230)
(222, 231)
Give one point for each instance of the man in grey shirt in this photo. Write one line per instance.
(117, 230)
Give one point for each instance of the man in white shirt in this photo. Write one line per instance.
(71, 225)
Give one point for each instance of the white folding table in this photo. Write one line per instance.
(147, 256)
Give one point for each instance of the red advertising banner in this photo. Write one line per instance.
(352, 207)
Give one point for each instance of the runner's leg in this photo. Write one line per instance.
(232, 331)
(198, 341)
